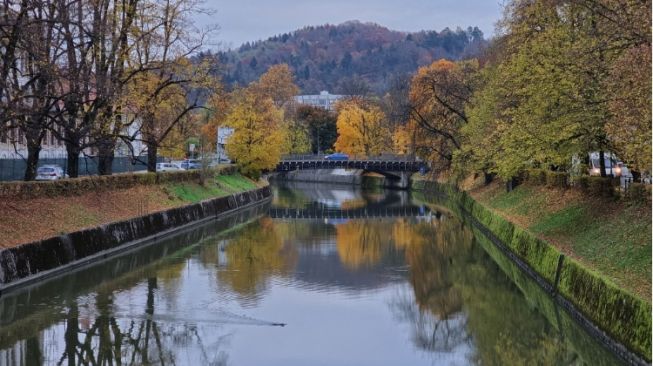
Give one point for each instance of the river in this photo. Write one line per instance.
(325, 275)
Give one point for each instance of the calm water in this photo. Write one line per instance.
(325, 276)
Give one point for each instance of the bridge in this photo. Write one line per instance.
(382, 164)
(396, 169)
(353, 213)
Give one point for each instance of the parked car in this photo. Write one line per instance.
(190, 164)
(337, 156)
(167, 167)
(613, 166)
(50, 172)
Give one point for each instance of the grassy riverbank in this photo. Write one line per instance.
(534, 224)
(608, 236)
(24, 220)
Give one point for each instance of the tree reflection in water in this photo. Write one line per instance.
(252, 257)
(140, 342)
(463, 302)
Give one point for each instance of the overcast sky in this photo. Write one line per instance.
(250, 20)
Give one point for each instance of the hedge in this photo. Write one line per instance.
(76, 186)
(623, 316)
(535, 177)
(638, 193)
(596, 186)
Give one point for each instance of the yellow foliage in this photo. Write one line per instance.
(277, 83)
(259, 134)
(361, 129)
(253, 256)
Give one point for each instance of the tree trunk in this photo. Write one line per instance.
(33, 151)
(602, 163)
(152, 147)
(106, 153)
(487, 178)
(73, 159)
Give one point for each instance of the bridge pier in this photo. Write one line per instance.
(397, 180)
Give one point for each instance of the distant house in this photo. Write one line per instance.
(322, 100)
(223, 135)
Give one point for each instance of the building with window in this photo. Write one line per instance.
(322, 100)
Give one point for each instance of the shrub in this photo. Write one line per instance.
(536, 177)
(556, 179)
(597, 186)
(638, 193)
(75, 186)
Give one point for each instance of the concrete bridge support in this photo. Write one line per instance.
(397, 180)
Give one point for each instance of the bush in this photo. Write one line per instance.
(556, 179)
(596, 186)
(638, 193)
(536, 177)
(76, 186)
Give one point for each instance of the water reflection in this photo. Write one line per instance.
(355, 277)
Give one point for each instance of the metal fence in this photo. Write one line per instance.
(14, 169)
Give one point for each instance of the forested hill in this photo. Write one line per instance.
(329, 57)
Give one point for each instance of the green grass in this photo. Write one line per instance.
(235, 182)
(612, 238)
(221, 185)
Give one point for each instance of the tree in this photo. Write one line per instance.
(161, 93)
(361, 129)
(298, 140)
(321, 126)
(277, 83)
(33, 103)
(258, 137)
(629, 128)
(438, 95)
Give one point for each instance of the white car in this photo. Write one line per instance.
(167, 167)
(50, 172)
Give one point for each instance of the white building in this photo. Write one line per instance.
(13, 145)
(322, 100)
(223, 135)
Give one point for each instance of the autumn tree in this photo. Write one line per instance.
(629, 127)
(438, 95)
(277, 83)
(362, 129)
(161, 94)
(258, 138)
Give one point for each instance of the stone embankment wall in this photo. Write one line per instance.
(597, 303)
(29, 262)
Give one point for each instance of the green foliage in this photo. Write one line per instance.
(556, 179)
(596, 186)
(564, 80)
(536, 177)
(321, 126)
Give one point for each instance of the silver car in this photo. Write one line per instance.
(50, 172)
(167, 167)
